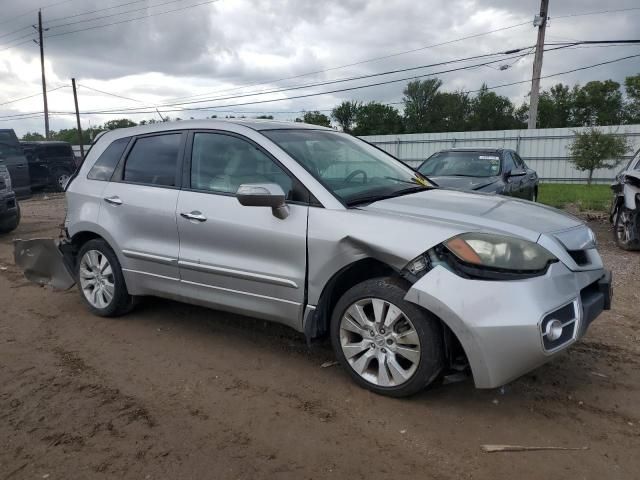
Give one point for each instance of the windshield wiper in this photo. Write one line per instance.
(376, 198)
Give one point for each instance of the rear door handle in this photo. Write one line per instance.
(115, 200)
(195, 215)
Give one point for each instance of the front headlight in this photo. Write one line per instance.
(494, 256)
(4, 174)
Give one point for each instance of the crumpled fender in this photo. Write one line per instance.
(43, 263)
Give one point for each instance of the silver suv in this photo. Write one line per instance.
(329, 235)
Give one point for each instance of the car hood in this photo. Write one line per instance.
(478, 211)
(464, 183)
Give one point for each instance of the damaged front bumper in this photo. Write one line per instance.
(508, 328)
(43, 262)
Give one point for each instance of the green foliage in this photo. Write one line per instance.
(32, 136)
(119, 123)
(451, 112)
(377, 119)
(490, 111)
(594, 149)
(632, 108)
(597, 103)
(419, 105)
(315, 118)
(345, 115)
(584, 197)
(555, 107)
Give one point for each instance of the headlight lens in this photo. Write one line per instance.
(499, 252)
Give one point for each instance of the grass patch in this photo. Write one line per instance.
(584, 197)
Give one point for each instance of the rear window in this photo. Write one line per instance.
(154, 160)
(9, 145)
(106, 164)
(52, 151)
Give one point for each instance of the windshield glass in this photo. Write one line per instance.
(351, 169)
(461, 164)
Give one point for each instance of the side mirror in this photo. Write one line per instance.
(518, 172)
(264, 195)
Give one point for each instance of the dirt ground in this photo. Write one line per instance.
(174, 391)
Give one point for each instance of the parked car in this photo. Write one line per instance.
(51, 163)
(625, 207)
(9, 208)
(486, 170)
(325, 233)
(15, 161)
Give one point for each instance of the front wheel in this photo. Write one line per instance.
(388, 345)
(100, 280)
(60, 179)
(626, 228)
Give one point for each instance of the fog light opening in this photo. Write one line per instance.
(554, 330)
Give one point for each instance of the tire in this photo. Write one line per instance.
(534, 195)
(11, 224)
(626, 228)
(111, 298)
(375, 353)
(59, 180)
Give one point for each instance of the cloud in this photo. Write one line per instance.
(223, 46)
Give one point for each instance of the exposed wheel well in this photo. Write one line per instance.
(317, 324)
(70, 250)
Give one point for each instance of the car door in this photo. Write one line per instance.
(235, 257)
(139, 211)
(38, 165)
(529, 180)
(511, 183)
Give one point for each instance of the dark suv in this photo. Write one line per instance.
(9, 209)
(51, 164)
(14, 160)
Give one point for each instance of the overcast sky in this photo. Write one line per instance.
(213, 48)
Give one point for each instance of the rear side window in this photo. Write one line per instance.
(53, 151)
(154, 160)
(106, 164)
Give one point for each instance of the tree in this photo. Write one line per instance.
(595, 149)
(452, 111)
(119, 123)
(555, 107)
(345, 114)
(33, 136)
(418, 101)
(265, 117)
(315, 118)
(632, 108)
(377, 119)
(490, 111)
(598, 103)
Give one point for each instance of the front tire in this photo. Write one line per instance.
(100, 280)
(388, 345)
(626, 228)
(59, 180)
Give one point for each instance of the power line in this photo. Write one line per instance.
(94, 11)
(110, 94)
(116, 14)
(600, 12)
(132, 19)
(34, 95)
(51, 5)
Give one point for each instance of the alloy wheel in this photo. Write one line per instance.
(96, 279)
(379, 342)
(63, 180)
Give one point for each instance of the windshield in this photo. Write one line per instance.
(351, 169)
(461, 164)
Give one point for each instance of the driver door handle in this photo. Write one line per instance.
(194, 215)
(115, 200)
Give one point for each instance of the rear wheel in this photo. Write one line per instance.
(626, 229)
(10, 224)
(100, 280)
(387, 345)
(60, 179)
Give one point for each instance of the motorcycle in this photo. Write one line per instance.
(625, 207)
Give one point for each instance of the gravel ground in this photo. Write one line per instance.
(176, 391)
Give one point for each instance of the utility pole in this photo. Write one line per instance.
(75, 100)
(541, 22)
(44, 80)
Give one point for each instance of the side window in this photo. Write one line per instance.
(508, 162)
(154, 160)
(106, 163)
(518, 161)
(221, 163)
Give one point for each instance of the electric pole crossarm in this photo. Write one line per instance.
(537, 64)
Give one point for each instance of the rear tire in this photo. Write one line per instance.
(100, 280)
(626, 228)
(59, 180)
(7, 226)
(388, 345)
